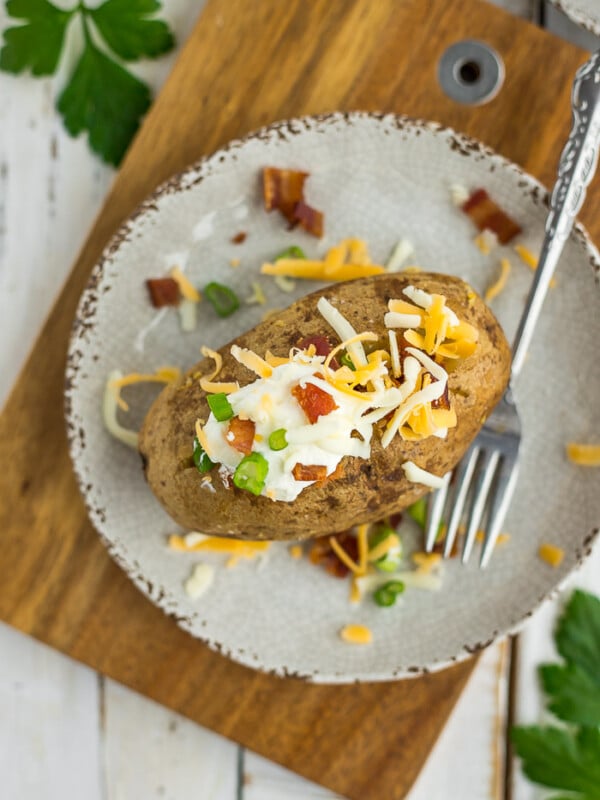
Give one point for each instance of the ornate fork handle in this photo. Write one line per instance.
(575, 171)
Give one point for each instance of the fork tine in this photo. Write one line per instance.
(483, 481)
(463, 479)
(506, 482)
(435, 507)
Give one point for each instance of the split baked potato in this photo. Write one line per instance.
(360, 489)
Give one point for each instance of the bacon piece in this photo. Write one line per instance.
(443, 401)
(240, 434)
(283, 189)
(486, 214)
(322, 554)
(322, 347)
(309, 218)
(239, 237)
(163, 292)
(314, 401)
(309, 472)
(338, 472)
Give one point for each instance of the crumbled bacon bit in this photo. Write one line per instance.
(309, 218)
(338, 472)
(322, 347)
(240, 434)
(314, 401)
(239, 237)
(486, 214)
(309, 472)
(321, 553)
(283, 189)
(163, 292)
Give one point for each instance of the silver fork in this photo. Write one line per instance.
(488, 471)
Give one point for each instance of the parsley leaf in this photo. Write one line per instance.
(106, 100)
(574, 696)
(561, 760)
(101, 96)
(127, 31)
(37, 44)
(578, 633)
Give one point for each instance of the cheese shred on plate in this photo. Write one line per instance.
(551, 554)
(344, 262)
(585, 455)
(112, 399)
(304, 413)
(356, 634)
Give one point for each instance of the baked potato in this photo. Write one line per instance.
(355, 489)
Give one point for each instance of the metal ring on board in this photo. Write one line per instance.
(471, 72)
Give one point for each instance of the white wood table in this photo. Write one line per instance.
(67, 733)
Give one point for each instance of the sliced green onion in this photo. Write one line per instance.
(223, 299)
(251, 473)
(386, 595)
(277, 440)
(347, 361)
(220, 406)
(391, 560)
(291, 252)
(397, 587)
(201, 459)
(418, 512)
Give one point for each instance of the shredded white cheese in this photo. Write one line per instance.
(417, 475)
(400, 254)
(187, 315)
(344, 330)
(109, 413)
(199, 581)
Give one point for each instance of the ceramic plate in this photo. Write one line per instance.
(583, 12)
(380, 178)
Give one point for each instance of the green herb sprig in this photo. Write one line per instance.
(101, 96)
(568, 758)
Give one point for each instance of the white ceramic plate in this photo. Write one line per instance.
(381, 178)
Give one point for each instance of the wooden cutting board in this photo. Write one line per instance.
(247, 64)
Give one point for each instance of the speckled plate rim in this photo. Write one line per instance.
(186, 179)
(578, 15)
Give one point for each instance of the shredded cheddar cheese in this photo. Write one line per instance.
(356, 634)
(498, 286)
(187, 289)
(275, 361)
(426, 562)
(251, 361)
(211, 387)
(363, 548)
(343, 555)
(192, 543)
(383, 548)
(217, 358)
(503, 538)
(551, 554)
(585, 455)
(296, 551)
(527, 257)
(343, 262)
(162, 375)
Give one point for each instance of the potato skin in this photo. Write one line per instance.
(368, 490)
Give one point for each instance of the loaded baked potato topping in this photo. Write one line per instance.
(293, 425)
